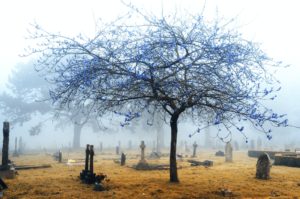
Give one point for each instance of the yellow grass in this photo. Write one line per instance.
(61, 181)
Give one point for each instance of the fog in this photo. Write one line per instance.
(274, 24)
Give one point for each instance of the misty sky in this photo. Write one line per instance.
(274, 24)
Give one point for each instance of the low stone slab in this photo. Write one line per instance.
(256, 154)
(290, 161)
(8, 174)
(147, 167)
(206, 163)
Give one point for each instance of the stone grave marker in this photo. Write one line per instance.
(117, 150)
(142, 163)
(15, 154)
(123, 159)
(263, 167)
(228, 152)
(195, 145)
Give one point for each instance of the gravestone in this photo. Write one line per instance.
(228, 152)
(15, 154)
(60, 156)
(123, 159)
(20, 151)
(92, 153)
(87, 175)
(142, 163)
(117, 150)
(195, 145)
(220, 153)
(263, 167)
(142, 146)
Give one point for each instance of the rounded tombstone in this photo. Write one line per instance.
(263, 167)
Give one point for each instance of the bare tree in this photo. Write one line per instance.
(174, 66)
(28, 94)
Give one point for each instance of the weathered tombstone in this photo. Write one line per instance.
(194, 149)
(259, 144)
(123, 159)
(15, 154)
(92, 159)
(228, 152)
(5, 160)
(119, 144)
(263, 167)
(117, 150)
(59, 156)
(142, 163)
(142, 146)
(220, 153)
(236, 146)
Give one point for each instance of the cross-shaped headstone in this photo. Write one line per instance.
(142, 146)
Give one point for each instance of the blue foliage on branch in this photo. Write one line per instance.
(179, 66)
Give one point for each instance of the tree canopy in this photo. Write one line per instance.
(169, 65)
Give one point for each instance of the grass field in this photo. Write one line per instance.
(61, 180)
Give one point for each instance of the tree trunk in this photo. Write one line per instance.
(76, 137)
(173, 164)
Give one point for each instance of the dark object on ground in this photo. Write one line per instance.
(220, 153)
(263, 167)
(123, 159)
(155, 155)
(2, 185)
(206, 163)
(25, 167)
(224, 192)
(147, 166)
(99, 187)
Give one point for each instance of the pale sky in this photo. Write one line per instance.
(274, 23)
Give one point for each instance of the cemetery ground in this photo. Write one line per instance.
(238, 177)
